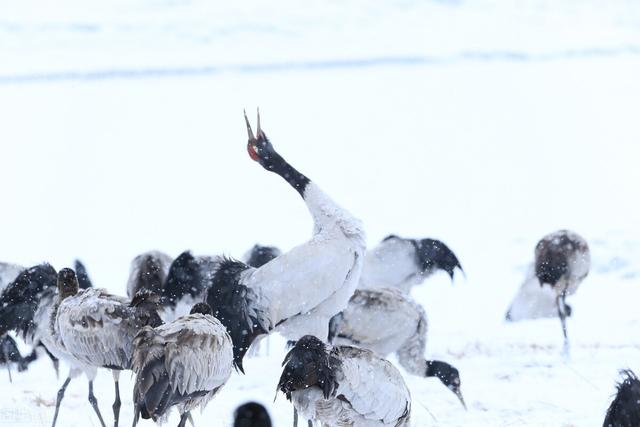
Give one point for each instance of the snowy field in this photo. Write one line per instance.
(485, 124)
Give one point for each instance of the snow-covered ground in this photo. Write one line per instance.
(486, 124)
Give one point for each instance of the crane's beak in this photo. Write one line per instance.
(260, 133)
(249, 131)
(459, 394)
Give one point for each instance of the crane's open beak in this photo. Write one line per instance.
(249, 131)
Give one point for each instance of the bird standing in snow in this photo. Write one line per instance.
(97, 328)
(299, 291)
(402, 263)
(562, 261)
(183, 363)
(624, 411)
(28, 306)
(387, 321)
(344, 386)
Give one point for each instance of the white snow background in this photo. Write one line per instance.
(486, 124)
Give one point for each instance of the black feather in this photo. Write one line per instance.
(432, 254)
(146, 305)
(260, 255)
(81, 273)
(624, 411)
(552, 258)
(309, 364)
(9, 353)
(184, 278)
(151, 276)
(154, 393)
(19, 300)
(334, 326)
(251, 414)
(228, 300)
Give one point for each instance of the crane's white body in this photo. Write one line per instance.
(386, 321)
(298, 292)
(391, 264)
(532, 300)
(371, 393)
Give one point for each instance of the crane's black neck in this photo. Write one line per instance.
(296, 179)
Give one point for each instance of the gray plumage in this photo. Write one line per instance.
(183, 363)
(97, 328)
(344, 386)
(148, 272)
(562, 261)
(388, 321)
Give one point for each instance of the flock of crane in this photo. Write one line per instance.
(187, 323)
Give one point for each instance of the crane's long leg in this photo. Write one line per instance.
(136, 415)
(59, 399)
(295, 417)
(7, 361)
(94, 403)
(183, 419)
(190, 418)
(310, 423)
(560, 302)
(116, 403)
(54, 360)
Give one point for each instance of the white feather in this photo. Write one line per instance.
(307, 285)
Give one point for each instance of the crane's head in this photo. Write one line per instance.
(448, 375)
(201, 308)
(259, 147)
(67, 283)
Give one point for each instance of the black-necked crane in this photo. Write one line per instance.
(251, 414)
(388, 321)
(298, 292)
(183, 364)
(624, 410)
(28, 306)
(344, 386)
(402, 263)
(97, 328)
(562, 261)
